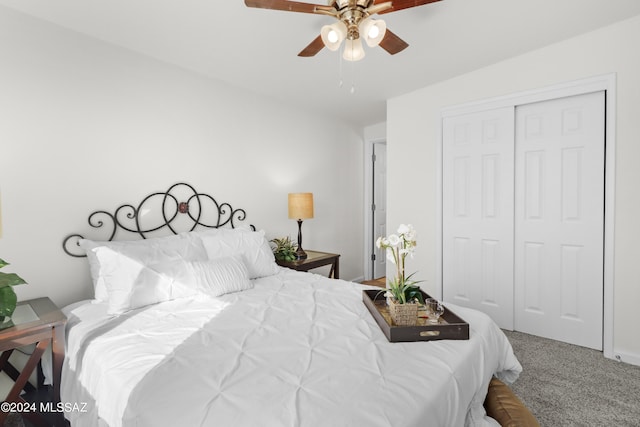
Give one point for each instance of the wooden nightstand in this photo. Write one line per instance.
(37, 321)
(315, 259)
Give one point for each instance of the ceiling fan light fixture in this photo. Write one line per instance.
(332, 35)
(353, 24)
(373, 31)
(353, 50)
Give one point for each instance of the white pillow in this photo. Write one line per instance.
(99, 289)
(116, 267)
(131, 284)
(251, 246)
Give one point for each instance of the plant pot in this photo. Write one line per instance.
(6, 322)
(403, 314)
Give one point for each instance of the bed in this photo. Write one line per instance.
(202, 328)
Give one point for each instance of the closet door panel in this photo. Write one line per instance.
(559, 219)
(478, 202)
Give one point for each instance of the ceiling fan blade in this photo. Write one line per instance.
(314, 47)
(405, 4)
(379, 7)
(392, 43)
(290, 6)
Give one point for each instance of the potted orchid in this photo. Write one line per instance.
(402, 289)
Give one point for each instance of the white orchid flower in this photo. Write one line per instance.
(394, 240)
(404, 229)
(379, 242)
(411, 233)
(390, 257)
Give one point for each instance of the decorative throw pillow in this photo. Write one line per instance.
(221, 276)
(178, 279)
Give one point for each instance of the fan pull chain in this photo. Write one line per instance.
(352, 90)
(340, 71)
(353, 78)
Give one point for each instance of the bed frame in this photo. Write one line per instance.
(179, 202)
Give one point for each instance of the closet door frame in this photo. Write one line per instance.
(605, 83)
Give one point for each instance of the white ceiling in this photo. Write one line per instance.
(257, 49)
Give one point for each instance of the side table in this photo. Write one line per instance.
(37, 321)
(315, 259)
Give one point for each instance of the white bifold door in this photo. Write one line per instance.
(523, 229)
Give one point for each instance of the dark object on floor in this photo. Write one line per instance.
(503, 406)
(13, 420)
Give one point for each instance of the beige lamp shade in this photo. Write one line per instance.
(300, 205)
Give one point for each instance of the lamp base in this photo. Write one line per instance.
(301, 254)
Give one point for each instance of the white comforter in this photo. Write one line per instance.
(297, 350)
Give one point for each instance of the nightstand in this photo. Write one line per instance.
(315, 259)
(37, 321)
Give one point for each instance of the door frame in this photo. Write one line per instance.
(368, 202)
(607, 83)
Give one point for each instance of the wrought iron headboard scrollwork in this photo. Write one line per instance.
(193, 205)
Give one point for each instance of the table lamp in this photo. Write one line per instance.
(300, 207)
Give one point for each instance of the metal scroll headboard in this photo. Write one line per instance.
(199, 209)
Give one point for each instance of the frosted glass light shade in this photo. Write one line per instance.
(300, 205)
(353, 50)
(373, 31)
(332, 35)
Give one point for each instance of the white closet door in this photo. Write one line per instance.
(559, 219)
(478, 179)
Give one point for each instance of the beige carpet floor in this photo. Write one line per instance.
(567, 385)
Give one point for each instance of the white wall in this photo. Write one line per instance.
(375, 132)
(413, 122)
(85, 125)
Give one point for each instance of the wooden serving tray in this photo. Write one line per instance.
(450, 326)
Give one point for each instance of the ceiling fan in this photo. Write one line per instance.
(354, 24)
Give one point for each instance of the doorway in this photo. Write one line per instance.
(378, 208)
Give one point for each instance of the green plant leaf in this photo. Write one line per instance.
(414, 292)
(284, 249)
(8, 300)
(3, 263)
(10, 279)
